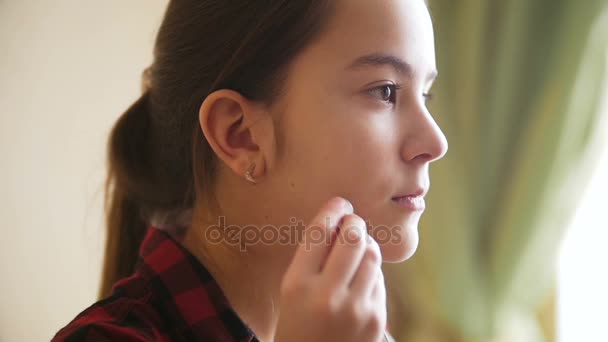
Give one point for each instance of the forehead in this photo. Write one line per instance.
(400, 28)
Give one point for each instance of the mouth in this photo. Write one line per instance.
(412, 202)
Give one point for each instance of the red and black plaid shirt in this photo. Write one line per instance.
(170, 297)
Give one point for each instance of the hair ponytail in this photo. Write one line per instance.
(128, 162)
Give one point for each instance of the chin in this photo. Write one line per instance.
(401, 247)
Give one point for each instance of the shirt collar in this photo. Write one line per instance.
(189, 289)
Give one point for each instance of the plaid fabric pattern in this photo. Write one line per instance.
(170, 297)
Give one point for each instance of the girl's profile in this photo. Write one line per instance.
(278, 154)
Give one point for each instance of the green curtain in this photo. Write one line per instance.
(518, 97)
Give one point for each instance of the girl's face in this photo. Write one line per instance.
(354, 121)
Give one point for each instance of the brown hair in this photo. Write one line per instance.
(158, 158)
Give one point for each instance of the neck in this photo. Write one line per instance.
(250, 281)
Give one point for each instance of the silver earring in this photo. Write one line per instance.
(249, 172)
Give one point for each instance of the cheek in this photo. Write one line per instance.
(343, 152)
(354, 155)
(370, 161)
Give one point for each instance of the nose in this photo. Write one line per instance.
(424, 142)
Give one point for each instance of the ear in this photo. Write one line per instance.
(234, 127)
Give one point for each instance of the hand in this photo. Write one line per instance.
(334, 291)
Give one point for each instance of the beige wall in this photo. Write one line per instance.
(68, 68)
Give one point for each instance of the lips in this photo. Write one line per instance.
(419, 192)
(413, 201)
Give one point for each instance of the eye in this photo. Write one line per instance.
(386, 93)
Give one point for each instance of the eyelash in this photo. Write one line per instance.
(394, 88)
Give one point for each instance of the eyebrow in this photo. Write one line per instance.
(380, 59)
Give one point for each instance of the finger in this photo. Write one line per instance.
(379, 292)
(366, 277)
(314, 246)
(347, 252)
(378, 301)
(377, 325)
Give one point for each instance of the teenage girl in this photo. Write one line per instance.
(278, 155)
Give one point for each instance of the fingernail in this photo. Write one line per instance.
(349, 205)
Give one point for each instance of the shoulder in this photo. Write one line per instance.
(101, 331)
(121, 316)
